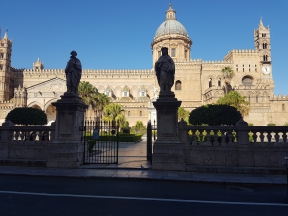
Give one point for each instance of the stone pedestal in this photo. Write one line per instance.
(168, 150)
(67, 149)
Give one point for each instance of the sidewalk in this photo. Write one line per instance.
(144, 174)
(132, 164)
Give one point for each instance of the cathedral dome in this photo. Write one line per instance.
(171, 25)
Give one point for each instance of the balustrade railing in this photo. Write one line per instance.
(27, 133)
(230, 135)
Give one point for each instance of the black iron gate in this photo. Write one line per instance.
(101, 142)
(151, 133)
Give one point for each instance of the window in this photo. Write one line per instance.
(264, 45)
(1, 66)
(283, 107)
(263, 34)
(185, 54)
(159, 54)
(265, 58)
(256, 99)
(255, 68)
(2, 44)
(107, 93)
(173, 52)
(125, 94)
(129, 113)
(247, 81)
(210, 83)
(1, 55)
(140, 113)
(178, 85)
(219, 82)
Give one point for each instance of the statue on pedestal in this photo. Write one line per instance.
(165, 71)
(73, 73)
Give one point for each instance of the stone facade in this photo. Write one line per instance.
(197, 82)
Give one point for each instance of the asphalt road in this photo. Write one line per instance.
(26, 195)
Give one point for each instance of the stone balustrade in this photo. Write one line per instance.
(238, 149)
(27, 133)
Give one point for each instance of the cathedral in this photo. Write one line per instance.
(196, 83)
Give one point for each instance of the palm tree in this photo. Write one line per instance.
(102, 100)
(88, 93)
(228, 74)
(113, 112)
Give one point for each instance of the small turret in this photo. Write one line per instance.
(38, 65)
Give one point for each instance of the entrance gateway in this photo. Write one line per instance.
(101, 142)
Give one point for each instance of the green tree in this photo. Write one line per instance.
(214, 115)
(113, 112)
(27, 116)
(182, 113)
(139, 128)
(88, 93)
(236, 100)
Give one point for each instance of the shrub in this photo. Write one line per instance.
(271, 124)
(214, 115)
(27, 116)
(250, 124)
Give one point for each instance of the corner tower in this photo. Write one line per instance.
(5, 64)
(173, 35)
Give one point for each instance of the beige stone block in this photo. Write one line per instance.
(219, 158)
(3, 151)
(260, 158)
(231, 158)
(208, 158)
(272, 160)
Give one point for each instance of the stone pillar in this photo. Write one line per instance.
(243, 138)
(67, 149)
(6, 138)
(168, 150)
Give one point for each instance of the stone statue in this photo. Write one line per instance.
(165, 71)
(73, 72)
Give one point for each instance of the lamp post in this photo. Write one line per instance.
(286, 166)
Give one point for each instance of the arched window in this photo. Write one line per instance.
(265, 58)
(210, 83)
(247, 81)
(264, 45)
(283, 107)
(140, 113)
(219, 82)
(178, 85)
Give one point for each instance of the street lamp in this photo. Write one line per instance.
(286, 166)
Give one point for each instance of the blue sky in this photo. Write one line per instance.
(117, 34)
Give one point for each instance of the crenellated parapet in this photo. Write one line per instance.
(241, 53)
(279, 98)
(85, 72)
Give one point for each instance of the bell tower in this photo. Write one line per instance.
(263, 46)
(5, 64)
